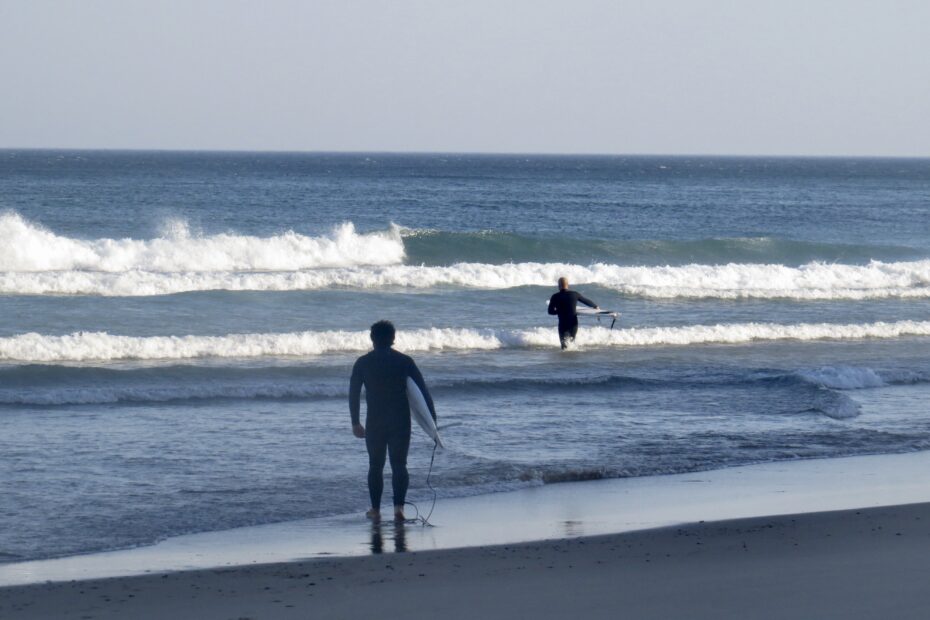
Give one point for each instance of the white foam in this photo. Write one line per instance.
(101, 346)
(843, 377)
(35, 261)
(26, 248)
(815, 281)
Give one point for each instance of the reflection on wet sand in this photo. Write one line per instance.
(573, 528)
(399, 537)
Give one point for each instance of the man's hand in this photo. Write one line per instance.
(358, 430)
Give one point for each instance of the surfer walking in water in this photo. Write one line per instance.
(384, 373)
(565, 305)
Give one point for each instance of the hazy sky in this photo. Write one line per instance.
(843, 77)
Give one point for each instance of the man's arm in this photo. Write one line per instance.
(552, 307)
(418, 379)
(355, 396)
(586, 301)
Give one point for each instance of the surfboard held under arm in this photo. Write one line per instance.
(607, 314)
(419, 411)
(598, 314)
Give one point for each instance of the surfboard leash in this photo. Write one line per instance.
(418, 518)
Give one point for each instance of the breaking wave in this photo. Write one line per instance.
(815, 281)
(102, 346)
(860, 378)
(36, 261)
(27, 247)
(843, 377)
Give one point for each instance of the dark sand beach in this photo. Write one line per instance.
(869, 559)
(870, 563)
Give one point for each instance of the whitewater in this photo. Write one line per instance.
(28, 247)
(35, 261)
(104, 347)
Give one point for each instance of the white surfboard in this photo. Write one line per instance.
(607, 314)
(598, 314)
(419, 411)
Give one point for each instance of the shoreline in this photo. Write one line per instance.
(865, 563)
(550, 512)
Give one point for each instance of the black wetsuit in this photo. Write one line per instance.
(565, 303)
(384, 374)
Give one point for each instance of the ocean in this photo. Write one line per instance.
(178, 328)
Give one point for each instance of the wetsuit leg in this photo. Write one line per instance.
(377, 442)
(398, 446)
(567, 331)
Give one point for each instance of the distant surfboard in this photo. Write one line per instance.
(419, 411)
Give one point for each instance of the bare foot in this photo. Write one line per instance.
(399, 513)
(374, 515)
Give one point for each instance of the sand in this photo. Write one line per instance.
(869, 563)
(546, 512)
(857, 546)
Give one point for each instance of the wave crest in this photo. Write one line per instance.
(843, 377)
(27, 247)
(101, 346)
(35, 261)
(809, 282)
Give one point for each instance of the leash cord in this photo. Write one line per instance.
(418, 518)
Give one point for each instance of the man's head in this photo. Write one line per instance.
(563, 283)
(382, 334)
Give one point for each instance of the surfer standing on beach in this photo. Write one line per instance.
(565, 304)
(384, 373)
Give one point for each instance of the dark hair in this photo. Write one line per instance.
(382, 334)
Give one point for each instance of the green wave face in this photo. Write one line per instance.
(445, 248)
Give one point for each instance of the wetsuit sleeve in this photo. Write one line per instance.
(418, 379)
(586, 301)
(552, 307)
(355, 393)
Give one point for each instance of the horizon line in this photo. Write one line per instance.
(450, 153)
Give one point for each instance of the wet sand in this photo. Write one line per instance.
(549, 512)
(845, 538)
(867, 563)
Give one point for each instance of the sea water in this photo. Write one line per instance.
(178, 328)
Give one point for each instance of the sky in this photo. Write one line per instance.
(747, 77)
